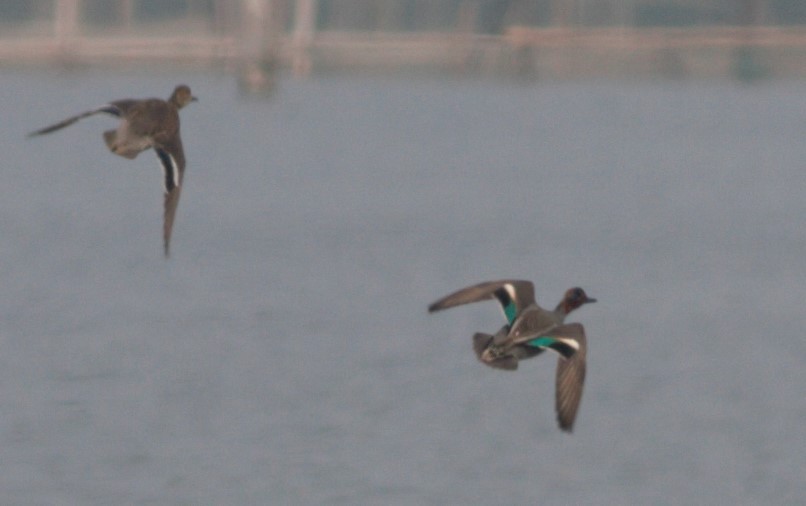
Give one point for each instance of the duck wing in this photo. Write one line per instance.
(113, 108)
(172, 159)
(513, 295)
(570, 378)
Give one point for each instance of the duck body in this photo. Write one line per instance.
(531, 330)
(146, 124)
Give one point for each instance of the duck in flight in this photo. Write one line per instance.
(148, 123)
(530, 330)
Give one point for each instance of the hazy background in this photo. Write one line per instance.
(425, 14)
(284, 354)
(534, 39)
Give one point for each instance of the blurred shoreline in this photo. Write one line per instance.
(255, 39)
(543, 53)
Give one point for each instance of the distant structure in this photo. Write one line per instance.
(545, 38)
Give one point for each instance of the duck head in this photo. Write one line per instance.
(182, 96)
(573, 299)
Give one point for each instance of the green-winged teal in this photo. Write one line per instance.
(530, 330)
(144, 124)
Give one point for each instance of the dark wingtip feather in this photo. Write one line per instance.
(108, 108)
(566, 421)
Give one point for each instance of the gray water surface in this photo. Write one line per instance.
(284, 354)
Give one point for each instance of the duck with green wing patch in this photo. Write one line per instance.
(531, 330)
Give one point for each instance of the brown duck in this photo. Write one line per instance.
(530, 330)
(144, 124)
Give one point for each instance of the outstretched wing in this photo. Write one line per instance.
(113, 108)
(172, 159)
(570, 380)
(513, 295)
(171, 202)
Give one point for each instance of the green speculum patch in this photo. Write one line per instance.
(541, 342)
(511, 312)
